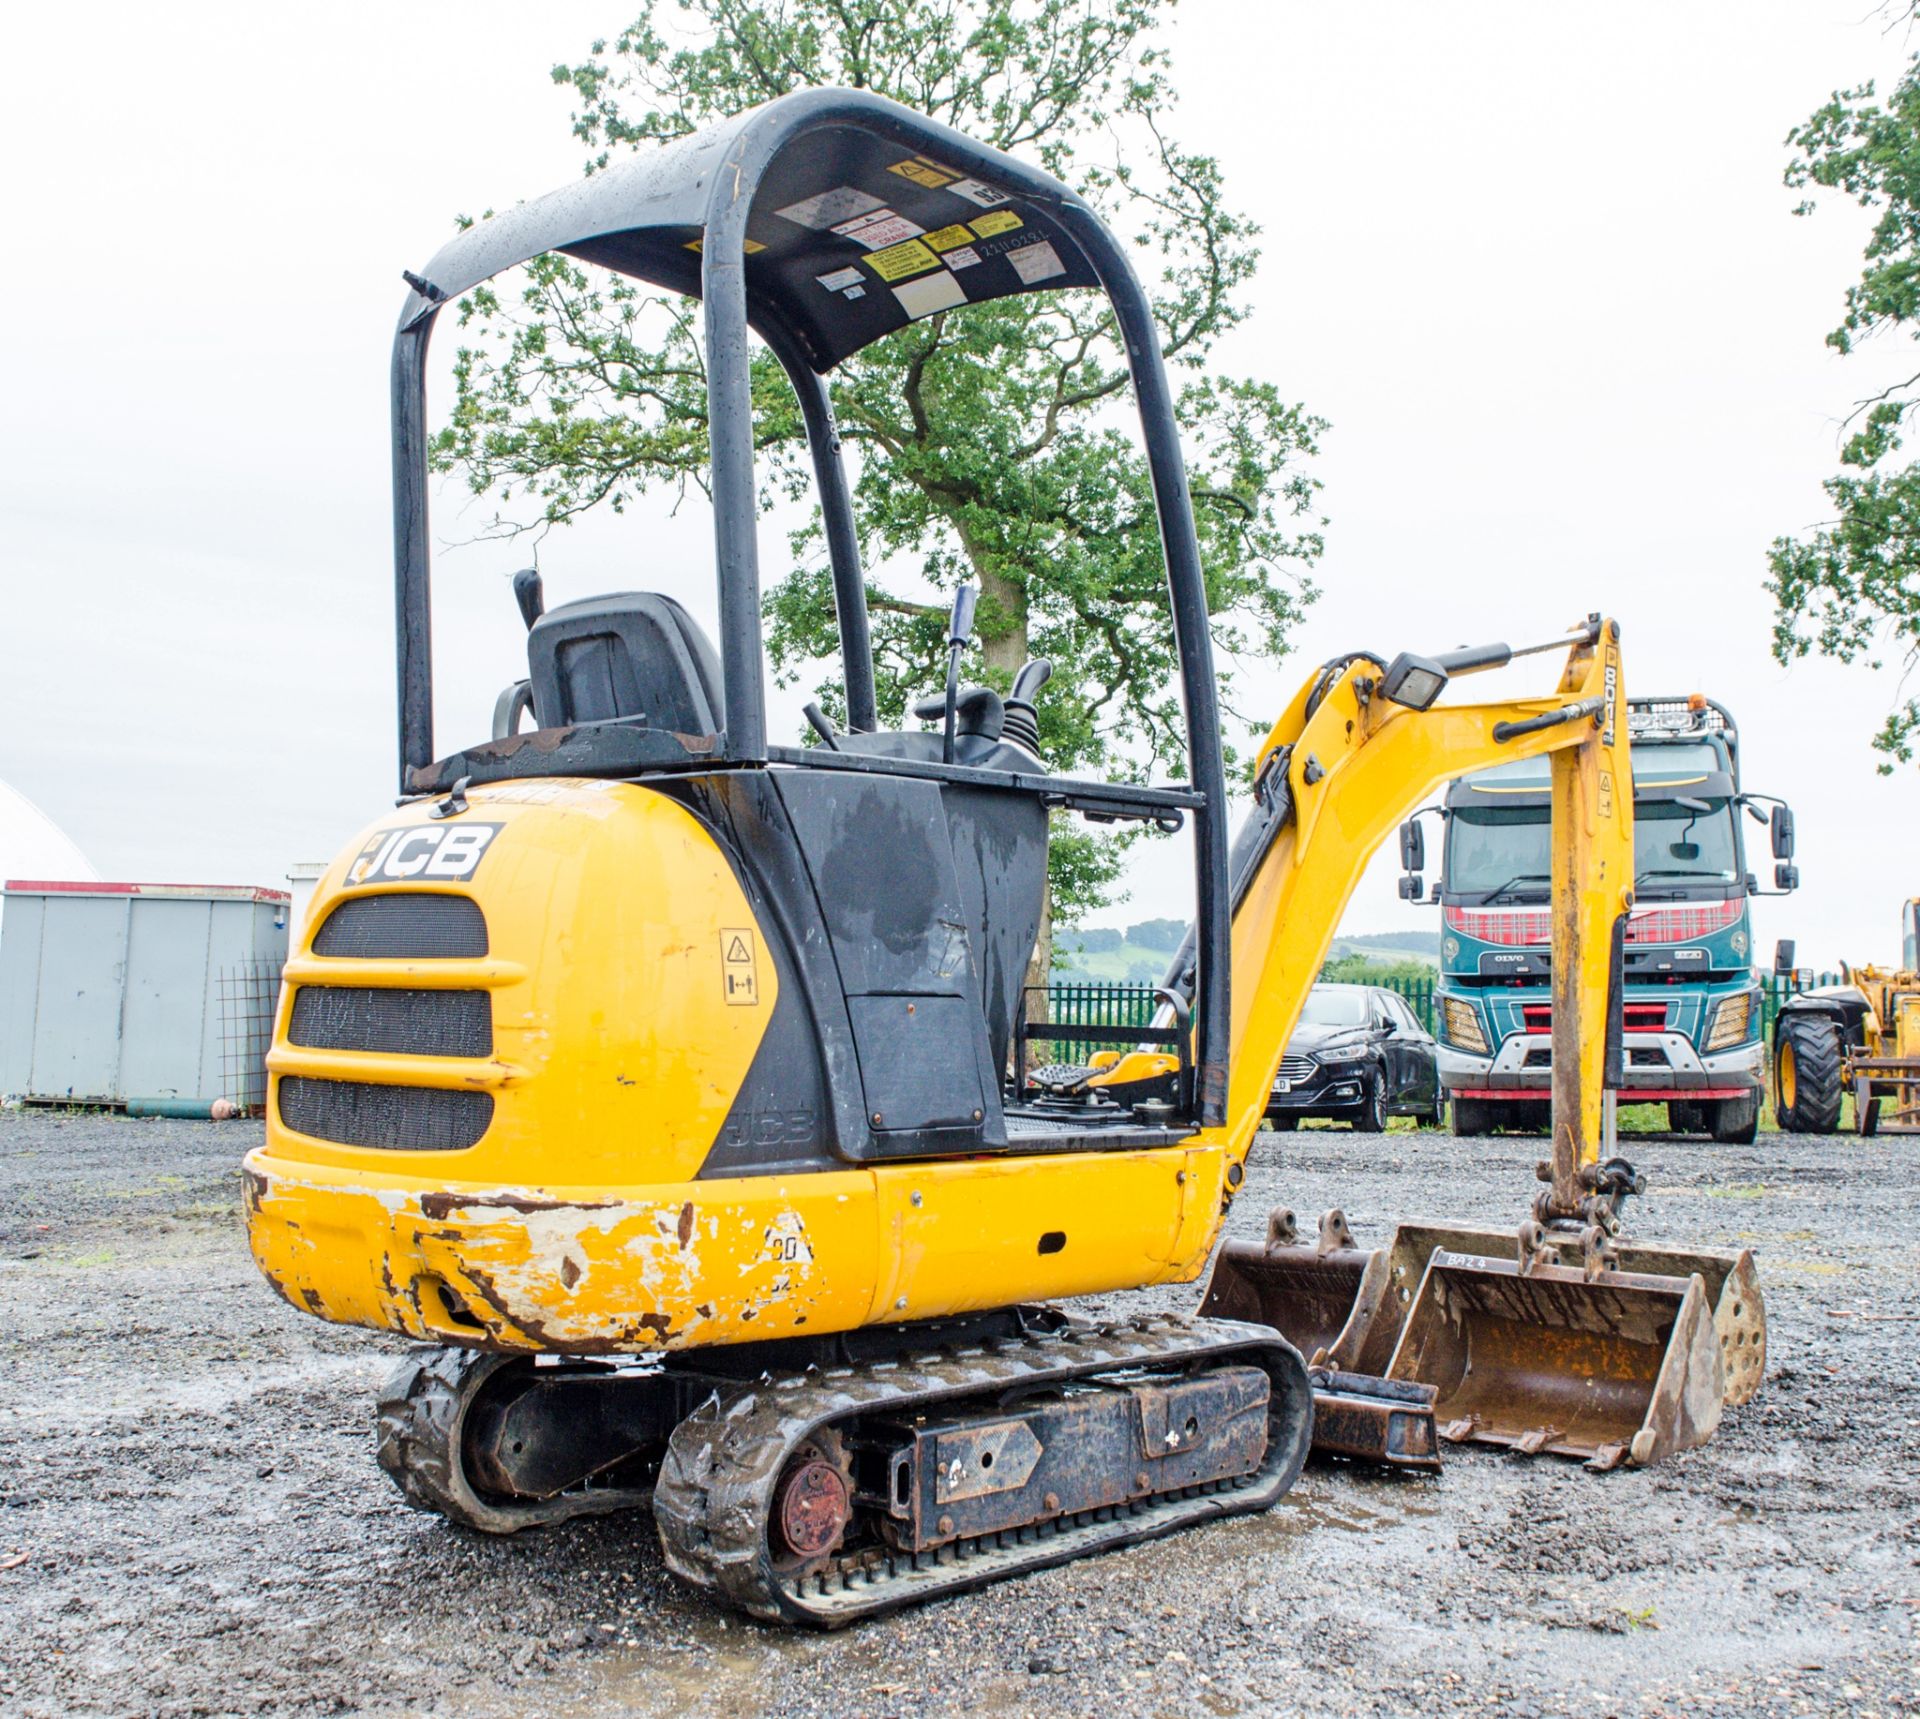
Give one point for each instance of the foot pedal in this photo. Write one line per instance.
(1370, 1419)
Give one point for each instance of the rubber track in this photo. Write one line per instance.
(715, 1490)
(420, 1418)
(1817, 1085)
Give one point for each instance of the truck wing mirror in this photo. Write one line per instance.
(1782, 829)
(1783, 953)
(1413, 846)
(1786, 876)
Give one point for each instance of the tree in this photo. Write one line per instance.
(1850, 589)
(990, 444)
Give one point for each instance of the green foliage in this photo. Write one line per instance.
(1158, 934)
(990, 444)
(1368, 970)
(1850, 589)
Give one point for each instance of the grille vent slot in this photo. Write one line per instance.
(410, 1023)
(403, 925)
(394, 1118)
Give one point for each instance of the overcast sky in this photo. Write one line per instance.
(1534, 263)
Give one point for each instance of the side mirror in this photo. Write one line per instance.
(1786, 876)
(1410, 889)
(1781, 826)
(1413, 846)
(1783, 953)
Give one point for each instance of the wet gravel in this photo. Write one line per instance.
(191, 1520)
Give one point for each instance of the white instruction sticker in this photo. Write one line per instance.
(878, 230)
(977, 192)
(937, 291)
(840, 279)
(821, 212)
(1037, 262)
(855, 292)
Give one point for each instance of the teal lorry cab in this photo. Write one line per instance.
(1691, 1016)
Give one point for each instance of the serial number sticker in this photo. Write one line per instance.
(739, 967)
(439, 853)
(897, 262)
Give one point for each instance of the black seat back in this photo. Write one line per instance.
(630, 654)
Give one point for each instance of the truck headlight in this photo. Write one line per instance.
(1731, 1018)
(1462, 1024)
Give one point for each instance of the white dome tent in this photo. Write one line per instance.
(33, 847)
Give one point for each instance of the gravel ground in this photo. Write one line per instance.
(191, 1520)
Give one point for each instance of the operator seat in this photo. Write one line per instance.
(628, 656)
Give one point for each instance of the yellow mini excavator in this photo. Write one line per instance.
(650, 1074)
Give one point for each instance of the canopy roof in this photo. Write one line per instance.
(866, 217)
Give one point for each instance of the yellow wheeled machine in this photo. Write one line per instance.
(651, 1073)
(1861, 1036)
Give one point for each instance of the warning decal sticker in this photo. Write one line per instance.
(924, 172)
(821, 212)
(977, 192)
(739, 967)
(840, 279)
(964, 258)
(701, 244)
(898, 261)
(1001, 221)
(948, 237)
(883, 227)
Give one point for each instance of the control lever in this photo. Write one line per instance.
(959, 632)
(1022, 725)
(530, 595)
(822, 725)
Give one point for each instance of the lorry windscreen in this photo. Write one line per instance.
(1502, 853)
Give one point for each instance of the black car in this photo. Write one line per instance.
(1358, 1054)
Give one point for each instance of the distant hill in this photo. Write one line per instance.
(1139, 954)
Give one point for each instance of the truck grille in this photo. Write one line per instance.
(410, 1023)
(403, 925)
(393, 1118)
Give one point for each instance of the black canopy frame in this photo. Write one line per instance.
(679, 217)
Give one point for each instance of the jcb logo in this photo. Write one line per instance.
(437, 853)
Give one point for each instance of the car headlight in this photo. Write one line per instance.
(1732, 1017)
(1461, 1022)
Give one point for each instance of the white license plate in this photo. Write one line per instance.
(1283, 1086)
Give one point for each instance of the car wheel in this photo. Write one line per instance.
(1371, 1117)
(1285, 1122)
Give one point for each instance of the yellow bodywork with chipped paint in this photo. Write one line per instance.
(579, 1221)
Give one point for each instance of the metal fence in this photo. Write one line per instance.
(1097, 1005)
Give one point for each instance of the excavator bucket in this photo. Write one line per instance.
(1324, 1297)
(1610, 1365)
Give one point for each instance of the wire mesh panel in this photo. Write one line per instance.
(249, 998)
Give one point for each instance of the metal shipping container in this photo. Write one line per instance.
(112, 993)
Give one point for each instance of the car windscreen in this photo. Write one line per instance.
(1333, 1008)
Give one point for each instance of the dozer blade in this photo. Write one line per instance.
(1732, 1286)
(1325, 1299)
(1616, 1367)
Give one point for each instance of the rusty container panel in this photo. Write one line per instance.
(1086, 1448)
(1624, 1367)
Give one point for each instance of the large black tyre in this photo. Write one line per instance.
(1283, 1121)
(1736, 1121)
(1371, 1116)
(1807, 1055)
(1471, 1117)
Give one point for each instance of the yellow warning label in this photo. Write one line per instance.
(1606, 793)
(995, 221)
(740, 967)
(950, 238)
(924, 172)
(701, 244)
(896, 262)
